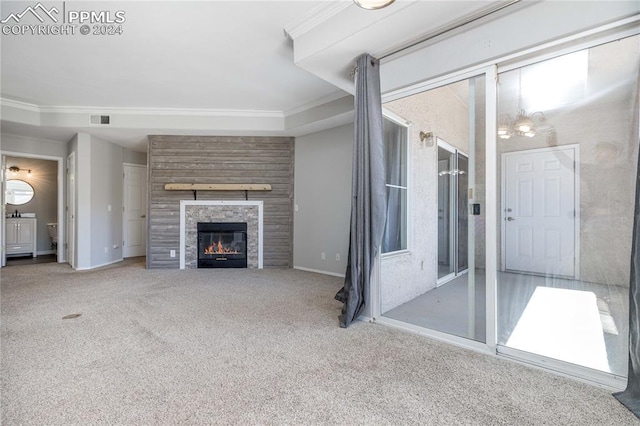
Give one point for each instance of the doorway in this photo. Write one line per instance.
(71, 210)
(45, 175)
(134, 215)
(453, 206)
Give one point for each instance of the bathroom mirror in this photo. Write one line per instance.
(18, 192)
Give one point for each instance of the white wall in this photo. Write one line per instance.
(323, 197)
(442, 111)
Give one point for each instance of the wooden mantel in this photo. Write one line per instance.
(217, 187)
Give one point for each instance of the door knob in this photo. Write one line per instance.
(143, 216)
(510, 219)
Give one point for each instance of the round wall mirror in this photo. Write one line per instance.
(18, 192)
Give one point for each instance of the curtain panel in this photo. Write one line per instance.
(368, 191)
(630, 397)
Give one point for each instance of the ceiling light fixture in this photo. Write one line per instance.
(14, 170)
(524, 124)
(373, 4)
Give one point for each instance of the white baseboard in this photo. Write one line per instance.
(44, 252)
(100, 266)
(333, 274)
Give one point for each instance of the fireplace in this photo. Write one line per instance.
(222, 244)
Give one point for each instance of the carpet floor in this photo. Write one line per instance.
(247, 347)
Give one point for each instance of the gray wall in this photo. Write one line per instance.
(106, 202)
(12, 143)
(220, 159)
(44, 204)
(134, 157)
(323, 196)
(98, 185)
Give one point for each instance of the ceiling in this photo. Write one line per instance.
(230, 55)
(229, 67)
(217, 58)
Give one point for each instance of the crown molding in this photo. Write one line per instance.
(10, 103)
(318, 102)
(316, 16)
(140, 111)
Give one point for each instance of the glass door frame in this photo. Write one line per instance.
(604, 34)
(454, 232)
(490, 76)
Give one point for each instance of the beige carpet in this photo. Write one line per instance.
(247, 347)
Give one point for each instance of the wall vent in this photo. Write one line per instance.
(100, 119)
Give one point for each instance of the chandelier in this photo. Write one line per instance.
(524, 124)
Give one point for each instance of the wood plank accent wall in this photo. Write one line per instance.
(220, 159)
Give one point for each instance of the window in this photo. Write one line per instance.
(396, 160)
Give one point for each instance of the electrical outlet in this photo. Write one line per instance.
(109, 207)
(323, 256)
(295, 208)
(106, 249)
(172, 253)
(337, 257)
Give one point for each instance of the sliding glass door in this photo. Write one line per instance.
(453, 212)
(437, 281)
(567, 152)
(521, 192)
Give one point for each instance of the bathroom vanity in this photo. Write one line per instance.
(21, 235)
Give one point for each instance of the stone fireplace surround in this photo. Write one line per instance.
(194, 211)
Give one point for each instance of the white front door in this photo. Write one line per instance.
(134, 220)
(539, 211)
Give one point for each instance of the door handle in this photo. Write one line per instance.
(510, 219)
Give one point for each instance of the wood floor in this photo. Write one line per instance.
(29, 260)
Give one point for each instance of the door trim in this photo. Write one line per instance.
(146, 188)
(576, 201)
(60, 195)
(71, 211)
(453, 233)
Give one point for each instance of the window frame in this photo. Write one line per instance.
(396, 119)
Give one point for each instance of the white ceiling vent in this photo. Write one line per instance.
(100, 119)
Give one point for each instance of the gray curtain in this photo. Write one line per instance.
(631, 396)
(368, 203)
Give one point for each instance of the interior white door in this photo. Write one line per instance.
(539, 211)
(71, 210)
(134, 229)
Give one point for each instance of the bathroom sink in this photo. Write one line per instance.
(22, 215)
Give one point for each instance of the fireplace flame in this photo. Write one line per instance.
(218, 248)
